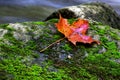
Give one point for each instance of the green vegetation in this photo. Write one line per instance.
(39, 23)
(17, 70)
(87, 62)
(16, 63)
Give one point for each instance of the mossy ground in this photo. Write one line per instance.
(81, 62)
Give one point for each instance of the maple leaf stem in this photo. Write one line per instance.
(52, 44)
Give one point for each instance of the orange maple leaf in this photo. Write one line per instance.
(64, 27)
(75, 32)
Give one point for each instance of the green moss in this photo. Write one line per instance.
(56, 36)
(102, 66)
(16, 70)
(71, 20)
(111, 45)
(114, 35)
(16, 58)
(93, 67)
(6, 26)
(67, 47)
(3, 25)
(15, 67)
(39, 23)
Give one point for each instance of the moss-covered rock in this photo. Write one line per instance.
(20, 56)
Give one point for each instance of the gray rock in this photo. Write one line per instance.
(99, 12)
(25, 32)
(2, 32)
(20, 32)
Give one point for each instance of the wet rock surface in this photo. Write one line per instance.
(100, 12)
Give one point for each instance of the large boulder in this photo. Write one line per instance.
(21, 59)
(100, 12)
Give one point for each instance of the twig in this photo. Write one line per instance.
(52, 44)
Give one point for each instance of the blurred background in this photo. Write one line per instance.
(35, 10)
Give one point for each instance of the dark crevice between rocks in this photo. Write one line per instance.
(64, 12)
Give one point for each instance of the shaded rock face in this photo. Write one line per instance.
(99, 12)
